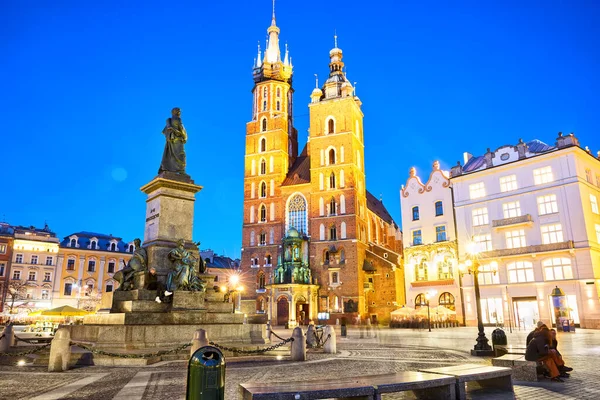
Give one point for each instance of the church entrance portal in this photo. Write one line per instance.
(302, 311)
(283, 311)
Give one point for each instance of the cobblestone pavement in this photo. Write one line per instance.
(390, 351)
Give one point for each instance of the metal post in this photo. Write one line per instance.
(482, 348)
(428, 317)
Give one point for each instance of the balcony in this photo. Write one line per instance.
(537, 248)
(505, 222)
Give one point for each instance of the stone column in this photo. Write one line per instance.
(311, 339)
(60, 351)
(292, 317)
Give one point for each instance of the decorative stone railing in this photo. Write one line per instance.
(538, 248)
(521, 219)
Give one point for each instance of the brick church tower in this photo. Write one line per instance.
(314, 240)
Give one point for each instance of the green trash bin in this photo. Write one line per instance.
(206, 375)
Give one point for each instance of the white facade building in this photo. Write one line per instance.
(430, 246)
(533, 211)
(35, 252)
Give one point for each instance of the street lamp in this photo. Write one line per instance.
(471, 266)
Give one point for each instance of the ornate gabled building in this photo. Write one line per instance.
(314, 240)
(430, 242)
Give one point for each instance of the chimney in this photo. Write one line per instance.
(466, 157)
(566, 141)
(457, 170)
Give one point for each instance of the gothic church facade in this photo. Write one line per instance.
(316, 243)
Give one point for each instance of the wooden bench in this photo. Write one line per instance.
(522, 369)
(485, 376)
(423, 385)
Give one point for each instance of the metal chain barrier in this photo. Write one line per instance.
(24, 353)
(276, 335)
(257, 351)
(121, 355)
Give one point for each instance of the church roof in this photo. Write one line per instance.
(378, 208)
(222, 263)
(300, 171)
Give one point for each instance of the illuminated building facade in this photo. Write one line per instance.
(314, 239)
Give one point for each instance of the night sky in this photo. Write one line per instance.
(87, 87)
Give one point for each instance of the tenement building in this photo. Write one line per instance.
(314, 239)
(430, 242)
(528, 217)
(6, 246)
(87, 262)
(32, 271)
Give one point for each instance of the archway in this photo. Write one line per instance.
(302, 311)
(283, 310)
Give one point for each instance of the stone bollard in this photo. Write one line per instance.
(330, 345)
(8, 339)
(369, 328)
(311, 339)
(298, 350)
(60, 351)
(200, 339)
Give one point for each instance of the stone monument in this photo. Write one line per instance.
(162, 298)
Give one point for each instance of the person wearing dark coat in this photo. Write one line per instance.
(538, 349)
(530, 336)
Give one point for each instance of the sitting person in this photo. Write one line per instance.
(538, 349)
(530, 336)
(553, 348)
(154, 284)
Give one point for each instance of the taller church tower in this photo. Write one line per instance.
(271, 148)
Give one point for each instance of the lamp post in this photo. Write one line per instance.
(428, 314)
(482, 348)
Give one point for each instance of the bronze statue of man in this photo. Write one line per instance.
(173, 159)
(137, 263)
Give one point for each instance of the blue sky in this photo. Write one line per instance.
(87, 87)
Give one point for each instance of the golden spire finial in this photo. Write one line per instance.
(334, 37)
(316, 81)
(273, 21)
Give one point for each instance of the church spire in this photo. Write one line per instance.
(273, 52)
(273, 64)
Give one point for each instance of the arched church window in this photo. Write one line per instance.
(263, 239)
(332, 181)
(331, 156)
(261, 281)
(263, 213)
(263, 142)
(278, 105)
(263, 125)
(278, 92)
(268, 259)
(326, 257)
(265, 93)
(331, 126)
(264, 105)
(332, 207)
(263, 166)
(297, 213)
(263, 189)
(332, 233)
(342, 256)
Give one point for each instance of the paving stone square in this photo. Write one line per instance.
(391, 351)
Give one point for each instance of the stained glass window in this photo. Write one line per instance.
(297, 214)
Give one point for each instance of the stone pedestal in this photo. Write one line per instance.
(169, 217)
